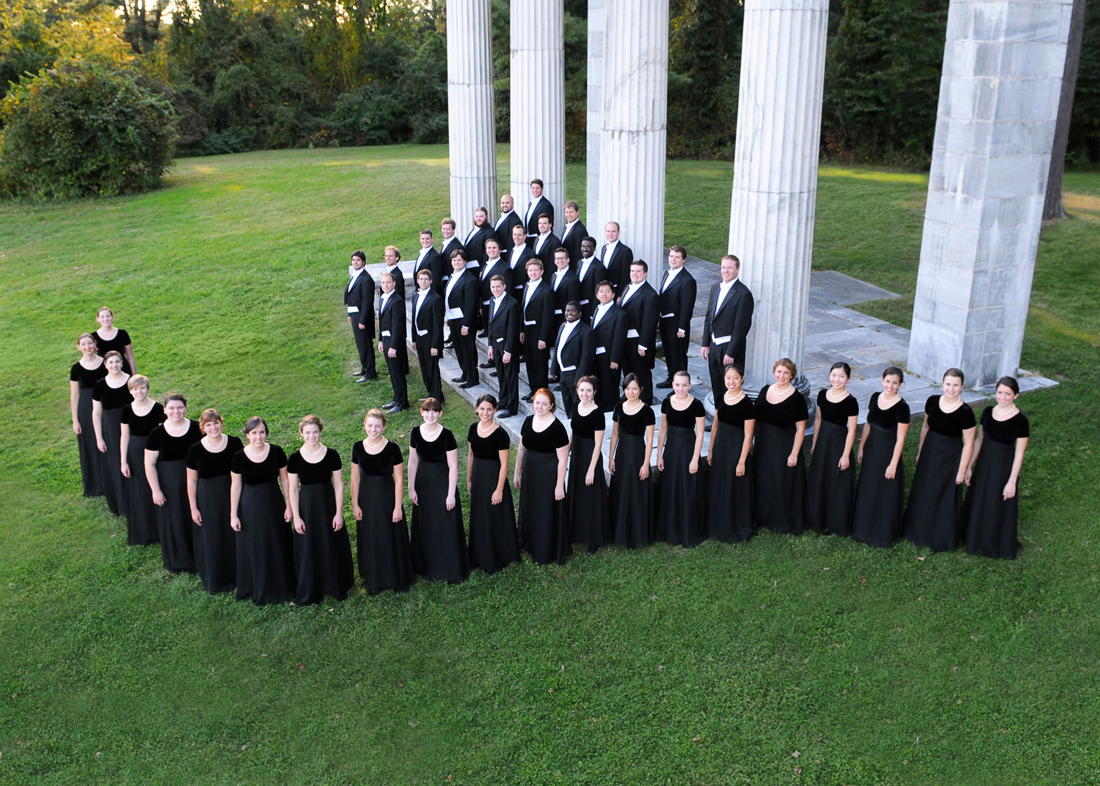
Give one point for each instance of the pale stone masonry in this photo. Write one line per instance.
(1002, 73)
(593, 218)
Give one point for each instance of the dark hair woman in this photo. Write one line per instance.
(109, 397)
(494, 542)
(880, 495)
(631, 496)
(82, 378)
(730, 514)
(831, 481)
(589, 520)
(681, 515)
(208, 492)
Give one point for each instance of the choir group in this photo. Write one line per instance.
(245, 516)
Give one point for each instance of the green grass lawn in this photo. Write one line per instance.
(787, 660)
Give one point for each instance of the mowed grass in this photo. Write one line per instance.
(784, 660)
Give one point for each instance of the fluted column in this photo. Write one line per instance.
(471, 133)
(635, 112)
(595, 114)
(538, 102)
(775, 173)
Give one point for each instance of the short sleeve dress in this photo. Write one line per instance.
(543, 526)
(265, 564)
(322, 555)
(90, 463)
(992, 522)
(141, 518)
(494, 541)
(730, 512)
(589, 521)
(681, 512)
(632, 501)
(117, 344)
(438, 539)
(115, 486)
(382, 544)
(877, 514)
(830, 490)
(779, 491)
(174, 525)
(215, 540)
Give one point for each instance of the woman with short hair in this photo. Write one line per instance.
(139, 418)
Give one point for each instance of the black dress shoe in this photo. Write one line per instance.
(504, 413)
(529, 399)
(468, 385)
(483, 334)
(553, 379)
(560, 389)
(486, 364)
(665, 384)
(363, 379)
(458, 380)
(388, 404)
(492, 373)
(396, 408)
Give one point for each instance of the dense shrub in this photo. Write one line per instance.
(81, 130)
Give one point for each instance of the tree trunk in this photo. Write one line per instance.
(1052, 204)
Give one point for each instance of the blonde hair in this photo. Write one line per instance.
(136, 381)
(310, 420)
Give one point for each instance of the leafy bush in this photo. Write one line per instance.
(84, 130)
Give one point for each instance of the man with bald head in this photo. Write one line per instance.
(508, 219)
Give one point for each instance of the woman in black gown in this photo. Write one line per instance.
(82, 378)
(586, 483)
(109, 397)
(730, 516)
(540, 477)
(322, 550)
(992, 508)
(166, 469)
(494, 542)
(631, 499)
(139, 418)
(208, 493)
(831, 481)
(779, 489)
(377, 499)
(438, 539)
(110, 338)
(933, 518)
(681, 520)
(880, 496)
(260, 516)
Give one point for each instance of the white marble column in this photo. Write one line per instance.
(538, 102)
(471, 127)
(635, 113)
(594, 123)
(1002, 73)
(775, 173)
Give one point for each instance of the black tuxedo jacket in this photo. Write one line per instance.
(518, 264)
(465, 295)
(475, 243)
(538, 314)
(568, 289)
(618, 266)
(642, 315)
(499, 269)
(430, 321)
(579, 351)
(398, 282)
(503, 227)
(596, 273)
(678, 299)
(452, 245)
(571, 239)
(532, 215)
(610, 335)
(733, 319)
(361, 296)
(505, 327)
(546, 252)
(392, 325)
(433, 263)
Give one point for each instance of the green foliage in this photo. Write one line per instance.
(1084, 127)
(82, 130)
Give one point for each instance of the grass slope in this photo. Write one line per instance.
(786, 660)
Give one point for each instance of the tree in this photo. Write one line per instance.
(1052, 202)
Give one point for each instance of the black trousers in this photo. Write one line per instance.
(397, 370)
(569, 392)
(465, 351)
(508, 377)
(610, 391)
(676, 348)
(538, 362)
(429, 370)
(717, 369)
(365, 344)
(641, 367)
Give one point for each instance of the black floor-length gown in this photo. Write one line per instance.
(934, 516)
(265, 563)
(877, 514)
(322, 555)
(730, 512)
(992, 522)
(779, 491)
(215, 541)
(438, 539)
(589, 519)
(494, 541)
(681, 510)
(115, 485)
(174, 524)
(382, 545)
(91, 469)
(141, 517)
(117, 344)
(632, 501)
(543, 526)
(830, 490)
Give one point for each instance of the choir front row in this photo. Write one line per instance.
(245, 516)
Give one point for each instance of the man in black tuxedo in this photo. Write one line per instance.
(520, 255)
(564, 284)
(508, 218)
(678, 292)
(546, 243)
(616, 257)
(392, 255)
(726, 328)
(428, 259)
(609, 340)
(494, 266)
(359, 302)
(535, 208)
(475, 239)
(504, 329)
(574, 232)
(451, 244)
(574, 355)
(460, 304)
(428, 338)
(641, 305)
(538, 327)
(392, 344)
(590, 272)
